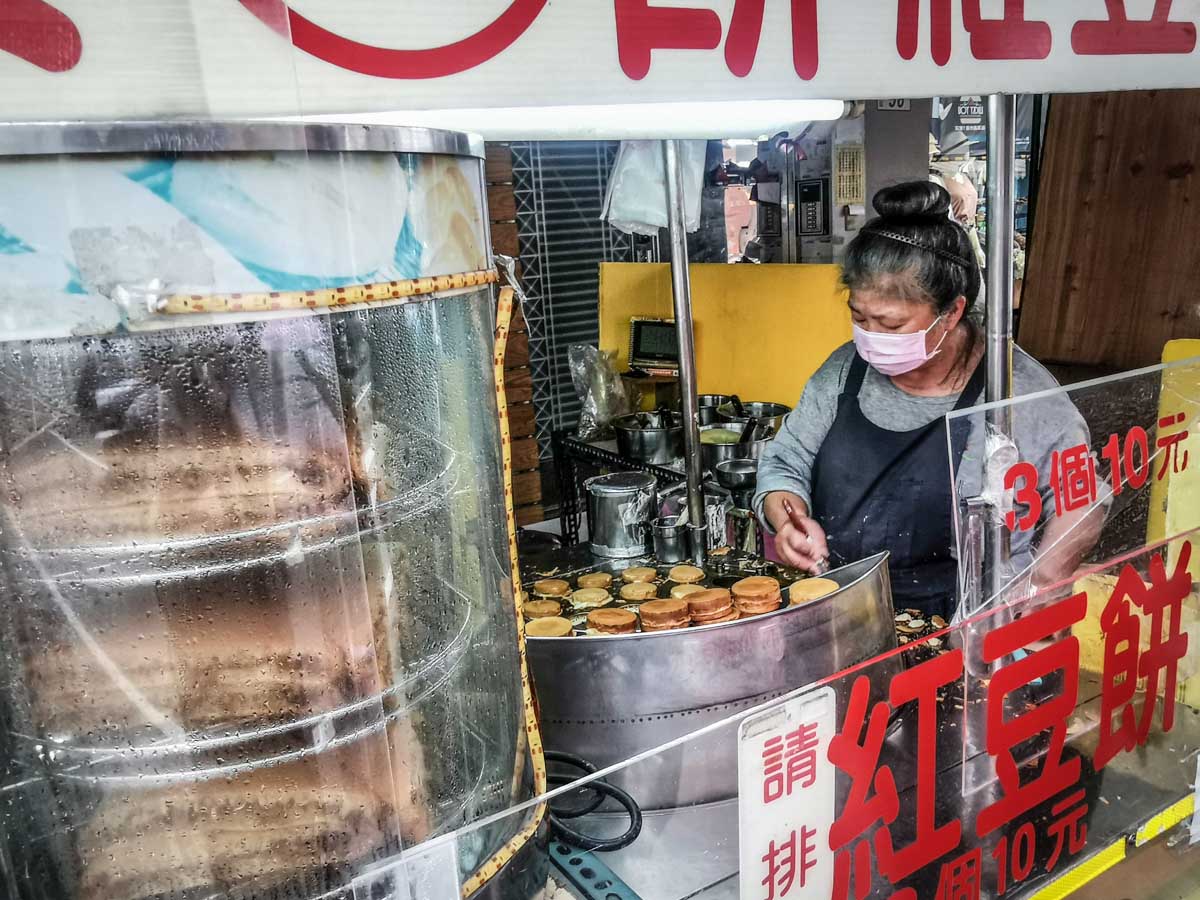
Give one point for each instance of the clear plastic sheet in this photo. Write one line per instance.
(258, 627)
(636, 202)
(935, 779)
(604, 395)
(1075, 477)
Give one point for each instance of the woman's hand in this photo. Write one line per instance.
(799, 539)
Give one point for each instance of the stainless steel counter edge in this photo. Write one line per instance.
(197, 136)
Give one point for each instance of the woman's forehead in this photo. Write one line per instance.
(897, 297)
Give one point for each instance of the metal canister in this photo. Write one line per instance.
(620, 507)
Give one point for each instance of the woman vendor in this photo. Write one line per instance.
(862, 465)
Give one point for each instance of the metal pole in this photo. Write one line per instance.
(682, 290)
(1001, 191)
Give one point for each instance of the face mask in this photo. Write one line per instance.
(895, 354)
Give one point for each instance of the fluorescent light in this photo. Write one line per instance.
(713, 120)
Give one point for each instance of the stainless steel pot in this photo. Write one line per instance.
(610, 698)
(713, 454)
(766, 413)
(620, 509)
(707, 407)
(717, 503)
(653, 437)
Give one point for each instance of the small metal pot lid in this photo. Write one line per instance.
(621, 483)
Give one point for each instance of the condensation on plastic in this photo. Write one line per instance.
(258, 630)
(636, 200)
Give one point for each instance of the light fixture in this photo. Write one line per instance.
(625, 121)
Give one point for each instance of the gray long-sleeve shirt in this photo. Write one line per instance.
(1040, 427)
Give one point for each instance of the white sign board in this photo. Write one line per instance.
(62, 59)
(786, 799)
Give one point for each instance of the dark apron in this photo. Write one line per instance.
(876, 490)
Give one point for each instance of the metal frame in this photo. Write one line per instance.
(1001, 188)
(54, 138)
(681, 289)
(544, 255)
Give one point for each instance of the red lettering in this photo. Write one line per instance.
(642, 28)
(387, 62)
(1005, 734)
(1170, 443)
(1027, 495)
(1021, 861)
(39, 34)
(798, 749)
(862, 809)
(1073, 479)
(1137, 439)
(1124, 662)
(1010, 37)
(860, 760)
(1118, 35)
(745, 29)
(1068, 828)
(962, 878)
(932, 841)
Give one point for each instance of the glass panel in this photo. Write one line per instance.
(911, 775)
(1090, 473)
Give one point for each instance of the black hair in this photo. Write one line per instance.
(915, 246)
(915, 250)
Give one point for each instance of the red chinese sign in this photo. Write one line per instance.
(1074, 479)
(41, 34)
(1036, 818)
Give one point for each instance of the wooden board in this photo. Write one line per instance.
(1113, 270)
(504, 236)
(518, 384)
(527, 488)
(518, 349)
(524, 454)
(502, 205)
(498, 168)
(520, 417)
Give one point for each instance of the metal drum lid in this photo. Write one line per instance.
(620, 483)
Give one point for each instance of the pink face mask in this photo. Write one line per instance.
(895, 354)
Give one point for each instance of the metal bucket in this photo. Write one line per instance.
(620, 509)
(610, 698)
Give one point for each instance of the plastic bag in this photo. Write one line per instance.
(603, 393)
(636, 200)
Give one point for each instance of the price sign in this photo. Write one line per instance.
(786, 799)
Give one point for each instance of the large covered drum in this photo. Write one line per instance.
(258, 634)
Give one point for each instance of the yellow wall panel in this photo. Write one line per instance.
(761, 331)
(1175, 501)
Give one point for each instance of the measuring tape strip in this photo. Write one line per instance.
(508, 851)
(350, 295)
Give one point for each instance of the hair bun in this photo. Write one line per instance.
(913, 201)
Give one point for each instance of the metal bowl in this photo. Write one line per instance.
(737, 474)
(706, 406)
(765, 413)
(652, 437)
(712, 455)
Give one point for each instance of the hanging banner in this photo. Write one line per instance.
(220, 58)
